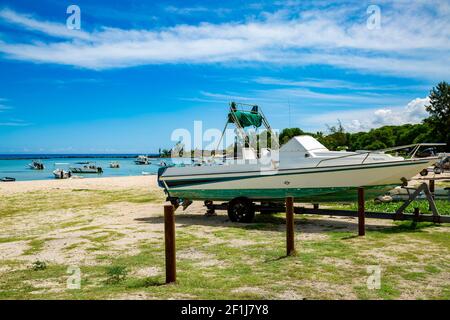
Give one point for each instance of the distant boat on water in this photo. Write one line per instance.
(87, 168)
(36, 165)
(62, 174)
(7, 179)
(114, 165)
(142, 160)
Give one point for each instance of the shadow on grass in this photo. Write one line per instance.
(273, 222)
(350, 237)
(145, 283)
(407, 226)
(280, 258)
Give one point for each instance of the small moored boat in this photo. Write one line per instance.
(7, 179)
(114, 165)
(36, 165)
(88, 168)
(142, 160)
(62, 174)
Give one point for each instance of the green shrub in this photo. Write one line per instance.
(116, 274)
(38, 265)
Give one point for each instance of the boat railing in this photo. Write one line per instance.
(348, 156)
(411, 154)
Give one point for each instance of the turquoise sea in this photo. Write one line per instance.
(16, 166)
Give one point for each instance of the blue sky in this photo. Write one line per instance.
(137, 70)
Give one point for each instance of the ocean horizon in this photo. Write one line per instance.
(40, 156)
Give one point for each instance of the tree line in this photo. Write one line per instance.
(435, 128)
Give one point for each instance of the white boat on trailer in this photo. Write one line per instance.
(305, 169)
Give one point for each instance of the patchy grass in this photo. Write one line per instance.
(442, 205)
(217, 259)
(443, 184)
(35, 246)
(65, 199)
(116, 274)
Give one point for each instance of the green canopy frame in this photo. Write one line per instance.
(242, 119)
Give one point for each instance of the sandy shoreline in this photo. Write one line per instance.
(107, 183)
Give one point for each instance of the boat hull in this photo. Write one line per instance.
(310, 195)
(307, 184)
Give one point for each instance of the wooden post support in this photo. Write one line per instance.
(361, 212)
(290, 243)
(431, 187)
(315, 206)
(169, 236)
(416, 213)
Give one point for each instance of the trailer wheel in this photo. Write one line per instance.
(424, 172)
(241, 210)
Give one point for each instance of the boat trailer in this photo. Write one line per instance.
(289, 208)
(413, 193)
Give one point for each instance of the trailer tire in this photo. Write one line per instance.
(424, 172)
(241, 210)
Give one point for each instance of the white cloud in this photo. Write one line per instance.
(14, 123)
(195, 10)
(3, 106)
(366, 119)
(335, 84)
(410, 42)
(49, 28)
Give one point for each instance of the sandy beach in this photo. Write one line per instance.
(109, 183)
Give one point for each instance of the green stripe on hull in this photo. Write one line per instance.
(300, 194)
